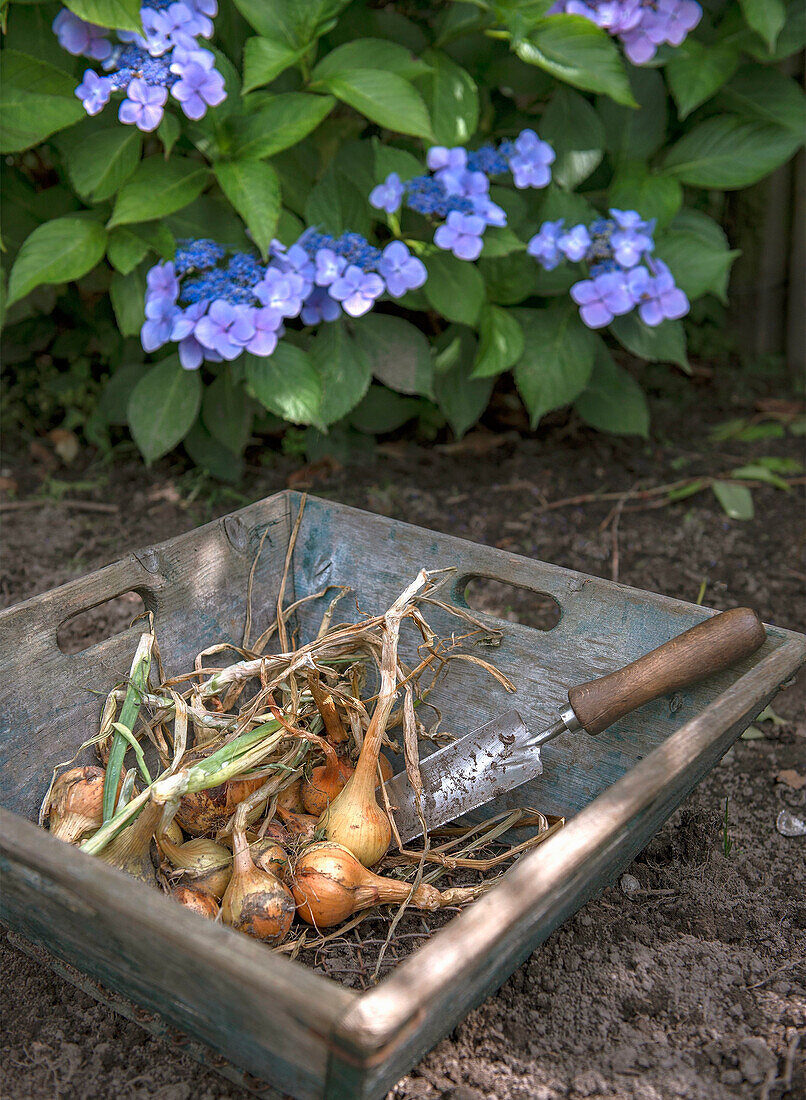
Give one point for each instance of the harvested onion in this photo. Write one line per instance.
(130, 851)
(330, 884)
(256, 902)
(198, 901)
(326, 781)
(76, 803)
(205, 864)
(210, 810)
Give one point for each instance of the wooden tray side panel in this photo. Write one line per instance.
(271, 1016)
(603, 626)
(195, 584)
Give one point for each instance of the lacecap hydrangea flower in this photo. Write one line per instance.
(215, 305)
(622, 273)
(166, 58)
(456, 191)
(640, 25)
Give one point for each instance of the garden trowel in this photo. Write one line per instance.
(503, 754)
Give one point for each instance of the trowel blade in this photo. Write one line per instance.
(468, 773)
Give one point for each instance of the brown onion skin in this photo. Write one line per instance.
(197, 900)
(290, 798)
(302, 826)
(208, 811)
(256, 902)
(203, 863)
(325, 783)
(330, 884)
(270, 856)
(76, 803)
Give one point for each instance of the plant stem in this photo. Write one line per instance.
(138, 683)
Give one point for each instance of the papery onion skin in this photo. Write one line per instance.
(356, 820)
(208, 811)
(329, 885)
(130, 850)
(325, 783)
(197, 900)
(256, 902)
(204, 863)
(270, 856)
(76, 803)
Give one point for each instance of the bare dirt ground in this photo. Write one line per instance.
(694, 985)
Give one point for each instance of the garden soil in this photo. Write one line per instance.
(689, 983)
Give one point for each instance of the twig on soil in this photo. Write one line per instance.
(74, 505)
(787, 966)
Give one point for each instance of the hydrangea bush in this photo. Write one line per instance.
(343, 216)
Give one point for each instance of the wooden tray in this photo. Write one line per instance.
(274, 1018)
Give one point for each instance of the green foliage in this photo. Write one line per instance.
(324, 99)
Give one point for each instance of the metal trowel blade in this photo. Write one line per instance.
(468, 773)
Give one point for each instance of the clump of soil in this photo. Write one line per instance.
(692, 984)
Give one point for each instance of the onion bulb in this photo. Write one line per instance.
(130, 851)
(330, 884)
(198, 901)
(205, 864)
(256, 902)
(289, 810)
(76, 803)
(270, 856)
(208, 811)
(326, 781)
(174, 833)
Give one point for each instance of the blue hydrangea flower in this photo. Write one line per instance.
(487, 159)
(94, 92)
(244, 269)
(329, 266)
(530, 161)
(282, 291)
(439, 156)
(80, 38)
(319, 306)
(161, 282)
(357, 290)
(268, 325)
(632, 237)
(198, 255)
(575, 243)
(602, 298)
(197, 89)
(166, 55)
(641, 25)
(387, 195)
(156, 330)
(225, 329)
(492, 213)
(543, 246)
(400, 270)
(357, 250)
(191, 353)
(426, 195)
(660, 298)
(143, 106)
(461, 234)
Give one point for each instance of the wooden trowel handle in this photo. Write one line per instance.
(707, 648)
